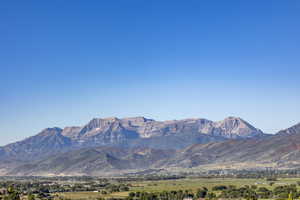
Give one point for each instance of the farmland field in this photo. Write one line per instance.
(191, 184)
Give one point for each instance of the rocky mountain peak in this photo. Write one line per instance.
(71, 131)
(137, 119)
(50, 131)
(231, 127)
(236, 127)
(131, 132)
(290, 131)
(231, 123)
(115, 144)
(98, 125)
(111, 119)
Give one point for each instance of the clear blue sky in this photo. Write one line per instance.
(65, 62)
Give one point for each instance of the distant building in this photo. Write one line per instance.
(187, 198)
(3, 191)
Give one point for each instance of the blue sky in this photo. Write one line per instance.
(63, 63)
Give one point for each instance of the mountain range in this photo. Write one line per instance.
(114, 146)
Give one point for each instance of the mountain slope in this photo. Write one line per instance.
(94, 161)
(128, 133)
(290, 131)
(45, 143)
(280, 151)
(233, 127)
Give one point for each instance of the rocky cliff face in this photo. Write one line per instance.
(98, 147)
(140, 127)
(47, 142)
(129, 132)
(281, 150)
(290, 131)
(233, 127)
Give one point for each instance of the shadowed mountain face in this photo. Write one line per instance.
(290, 131)
(94, 161)
(112, 145)
(45, 143)
(129, 133)
(280, 151)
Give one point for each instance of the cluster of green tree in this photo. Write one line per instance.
(56, 187)
(12, 194)
(110, 188)
(232, 173)
(153, 177)
(171, 195)
(254, 192)
(221, 191)
(246, 192)
(126, 179)
(34, 187)
(43, 191)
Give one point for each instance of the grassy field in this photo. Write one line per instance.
(91, 195)
(181, 184)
